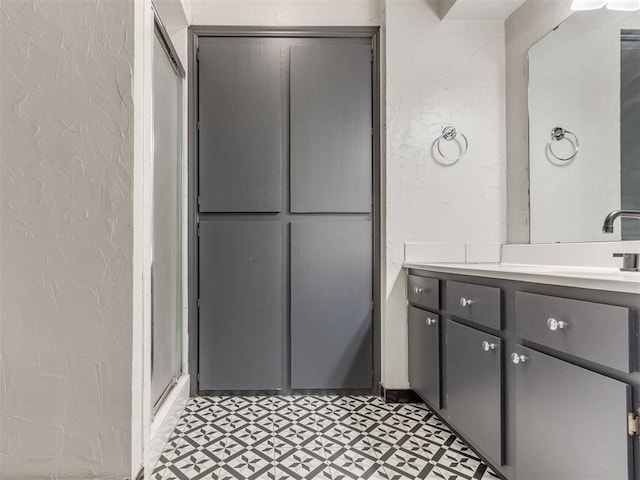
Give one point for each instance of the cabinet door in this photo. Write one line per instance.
(474, 387)
(331, 305)
(571, 423)
(424, 355)
(240, 135)
(331, 154)
(240, 321)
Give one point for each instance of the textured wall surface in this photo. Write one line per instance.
(532, 21)
(66, 241)
(438, 73)
(285, 12)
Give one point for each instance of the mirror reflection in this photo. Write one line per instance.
(584, 128)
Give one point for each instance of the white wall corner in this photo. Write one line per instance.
(186, 8)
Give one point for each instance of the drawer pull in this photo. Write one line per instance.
(431, 321)
(419, 290)
(554, 324)
(465, 302)
(487, 347)
(517, 358)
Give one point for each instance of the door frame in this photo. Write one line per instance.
(195, 32)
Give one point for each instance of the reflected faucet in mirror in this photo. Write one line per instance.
(607, 226)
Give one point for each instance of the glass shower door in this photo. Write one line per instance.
(166, 277)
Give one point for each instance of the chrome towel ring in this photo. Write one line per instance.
(449, 133)
(558, 134)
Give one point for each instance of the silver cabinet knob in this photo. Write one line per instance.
(517, 358)
(431, 321)
(465, 302)
(553, 324)
(487, 347)
(418, 290)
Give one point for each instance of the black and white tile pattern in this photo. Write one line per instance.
(313, 437)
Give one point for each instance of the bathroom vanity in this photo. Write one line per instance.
(537, 369)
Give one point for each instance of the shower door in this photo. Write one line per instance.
(166, 277)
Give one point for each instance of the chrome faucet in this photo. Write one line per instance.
(607, 226)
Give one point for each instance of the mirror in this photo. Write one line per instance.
(584, 128)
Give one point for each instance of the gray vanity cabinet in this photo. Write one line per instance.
(570, 422)
(542, 381)
(424, 355)
(474, 386)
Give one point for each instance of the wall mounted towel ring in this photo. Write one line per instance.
(449, 133)
(558, 134)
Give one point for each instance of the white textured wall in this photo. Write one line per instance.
(285, 12)
(438, 73)
(532, 21)
(66, 241)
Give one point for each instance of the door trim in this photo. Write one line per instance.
(197, 31)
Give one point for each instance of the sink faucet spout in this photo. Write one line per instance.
(607, 226)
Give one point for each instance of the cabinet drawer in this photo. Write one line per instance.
(475, 303)
(424, 292)
(592, 331)
(424, 355)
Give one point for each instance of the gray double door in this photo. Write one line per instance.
(285, 214)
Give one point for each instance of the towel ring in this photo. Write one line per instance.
(449, 133)
(558, 134)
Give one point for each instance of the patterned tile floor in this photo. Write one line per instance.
(313, 437)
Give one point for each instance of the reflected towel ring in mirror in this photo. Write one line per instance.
(558, 134)
(449, 133)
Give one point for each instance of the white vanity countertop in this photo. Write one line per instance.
(610, 279)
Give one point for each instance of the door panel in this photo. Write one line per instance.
(240, 338)
(424, 355)
(571, 423)
(240, 137)
(331, 167)
(331, 304)
(259, 154)
(474, 386)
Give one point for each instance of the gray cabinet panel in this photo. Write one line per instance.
(240, 321)
(570, 422)
(331, 142)
(476, 303)
(331, 304)
(474, 387)
(240, 137)
(424, 292)
(424, 355)
(593, 331)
